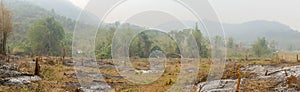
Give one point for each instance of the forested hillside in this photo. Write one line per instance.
(248, 32)
(25, 14)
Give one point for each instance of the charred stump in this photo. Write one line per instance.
(37, 67)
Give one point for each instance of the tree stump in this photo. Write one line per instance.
(37, 67)
(63, 55)
(239, 80)
(298, 58)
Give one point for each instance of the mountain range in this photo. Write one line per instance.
(248, 32)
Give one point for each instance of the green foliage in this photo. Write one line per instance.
(144, 43)
(201, 42)
(5, 28)
(46, 36)
(141, 46)
(25, 15)
(230, 43)
(104, 41)
(261, 48)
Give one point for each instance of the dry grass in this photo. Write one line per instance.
(55, 79)
(293, 82)
(263, 85)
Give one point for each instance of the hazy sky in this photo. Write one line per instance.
(238, 11)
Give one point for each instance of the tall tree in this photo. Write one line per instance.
(261, 48)
(230, 43)
(5, 28)
(147, 44)
(273, 46)
(46, 36)
(200, 40)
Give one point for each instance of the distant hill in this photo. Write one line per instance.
(248, 32)
(60, 6)
(65, 8)
(26, 13)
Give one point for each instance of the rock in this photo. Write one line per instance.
(82, 74)
(288, 78)
(148, 71)
(8, 73)
(73, 75)
(227, 85)
(19, 81)
(191, 70)
(112, 77)
(94, 86)
(73, 85)
(8, 66)
(69, 62)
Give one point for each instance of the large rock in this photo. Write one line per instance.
(288, 78)
(8, 73)
(227, 85)
(94, 86)
(19, 81)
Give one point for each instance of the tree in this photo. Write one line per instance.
(261, 48)
(273, 46)
(201, 43)
(230, 43)
(147, 44)
(46, 36)
(218, 44)
(5, 28)
(141, 45)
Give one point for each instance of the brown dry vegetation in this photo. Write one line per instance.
(55, 79)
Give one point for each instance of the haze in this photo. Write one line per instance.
(238, 11)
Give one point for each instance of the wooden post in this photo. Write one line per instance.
(63, 55)
(266, 73)
(297, 58)
(246, 56)
(285, 72)
(7, 54)
(239, 80)
(7, 57)
(37, 67)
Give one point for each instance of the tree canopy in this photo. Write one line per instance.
(5, 28)
(260, 47)
(46, 36)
